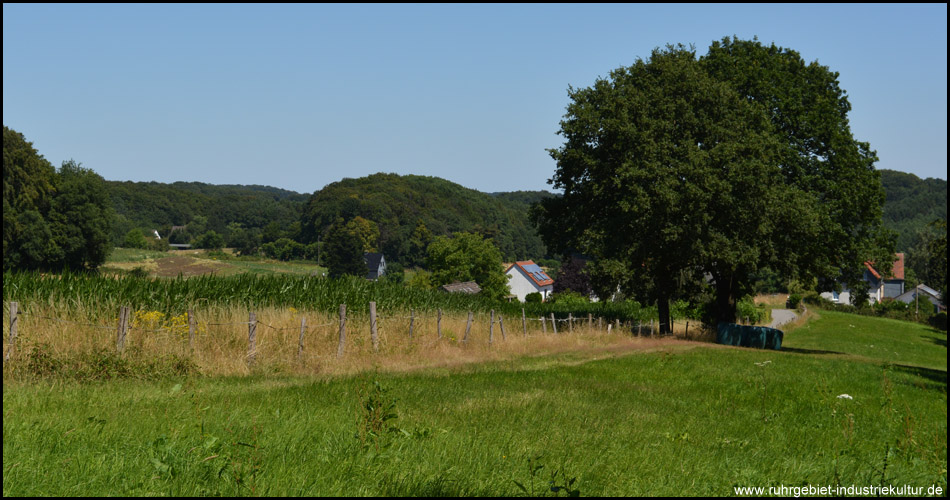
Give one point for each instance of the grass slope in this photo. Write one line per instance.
(687, 419)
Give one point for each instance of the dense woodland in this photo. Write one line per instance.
(399, 204)
(912, 203)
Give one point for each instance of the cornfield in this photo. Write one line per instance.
(97, 294)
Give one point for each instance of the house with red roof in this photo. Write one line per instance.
(527, 277)
(879, 287)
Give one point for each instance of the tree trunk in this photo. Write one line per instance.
(663, 310)
(725, 300)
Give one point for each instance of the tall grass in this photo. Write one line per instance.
(220, 346)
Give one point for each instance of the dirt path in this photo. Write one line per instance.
(782, 316)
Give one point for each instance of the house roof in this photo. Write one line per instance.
(372, 259)
(464, 287)
(533, 272)
(897, 271)
(919, 289)
(372, 264)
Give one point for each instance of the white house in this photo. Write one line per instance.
(879, 287)
(526, 277)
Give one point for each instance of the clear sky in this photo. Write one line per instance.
(298, 96)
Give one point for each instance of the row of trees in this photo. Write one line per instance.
(52, 219)
(679, 171)
(447, 259)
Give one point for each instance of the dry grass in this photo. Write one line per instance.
(221, 342)
(773, 300)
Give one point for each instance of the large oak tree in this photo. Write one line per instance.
(681, 174)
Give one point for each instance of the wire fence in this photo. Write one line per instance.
(314, 335)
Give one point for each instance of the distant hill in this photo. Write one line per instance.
(155, 205)
(911, 204)
(398, 203)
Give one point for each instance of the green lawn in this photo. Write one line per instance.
(688, 420)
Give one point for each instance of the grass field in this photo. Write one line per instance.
(199, 262)
(660, 418)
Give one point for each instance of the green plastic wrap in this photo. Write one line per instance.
(761, 337)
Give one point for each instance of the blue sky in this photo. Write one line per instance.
(299, 96)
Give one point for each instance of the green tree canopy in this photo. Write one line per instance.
(832, 223)
(675, 171)
(468, 257)
(666, 170)
(27, 187)
(343, 251)
(81, 217)
(134, 239)
(51, 219)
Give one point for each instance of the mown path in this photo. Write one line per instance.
(782, 316)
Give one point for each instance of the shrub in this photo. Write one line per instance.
(939, 321)
(794, 301)
(568, 298)
(532, 298)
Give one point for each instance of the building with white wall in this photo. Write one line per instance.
(527, 277)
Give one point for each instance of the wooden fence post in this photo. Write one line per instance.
(438, 323)
(544, 326)
(251, 338)
(303, 328)
(608, 328)
(687, 330)
(554, 323)
(639, 328)
(501, 323)
(372, 326)
(191, 330)
(491, 328)
(524, 323)
(339, 349)
(122, 329)
(590, 322)
(13, 328)
(570, 322)
(468, 327)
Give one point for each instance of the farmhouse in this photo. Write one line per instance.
(879, 288)
(921, 294)
(375, 265)
(526, 277)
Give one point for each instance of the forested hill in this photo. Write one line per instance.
(154, 205)
(912, 203)
(399, 204)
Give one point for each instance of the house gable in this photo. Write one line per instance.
(375, 265)
(527, 277)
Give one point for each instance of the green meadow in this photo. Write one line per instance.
(678, 418)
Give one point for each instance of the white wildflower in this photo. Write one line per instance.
(844, 396)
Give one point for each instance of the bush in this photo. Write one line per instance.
(794, 300)
(135, 239)
(568, 298)
(394, 273)
(210, 240)
(939, 321)
(532, 298)
(747, 310)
